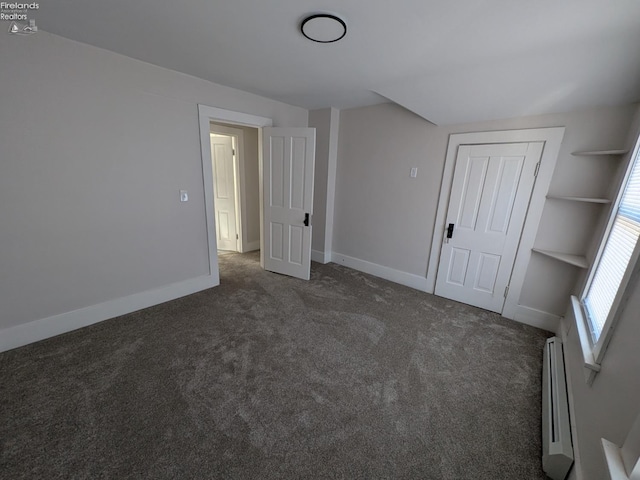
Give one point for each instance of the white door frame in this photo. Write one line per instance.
(553, 139)
(206, 115)
(238, 175)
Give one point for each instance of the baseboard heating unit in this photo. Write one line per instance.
(557, 450)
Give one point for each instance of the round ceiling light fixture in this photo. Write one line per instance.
(323, 28)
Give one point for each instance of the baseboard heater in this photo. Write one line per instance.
(557, 450)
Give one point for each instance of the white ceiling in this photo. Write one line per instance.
(448, 61)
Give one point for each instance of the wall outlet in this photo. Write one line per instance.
(184, 196)
(414, 172)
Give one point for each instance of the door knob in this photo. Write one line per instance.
(450, 230)
(306, 219)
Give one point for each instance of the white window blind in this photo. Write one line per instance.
(613, 263)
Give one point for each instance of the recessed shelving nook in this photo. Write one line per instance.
(578, 260)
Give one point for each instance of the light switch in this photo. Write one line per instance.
(184, 196)
(414, 172)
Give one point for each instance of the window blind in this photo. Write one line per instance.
(614, 261)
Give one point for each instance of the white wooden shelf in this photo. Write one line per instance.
(615, 464)
(593, 153)
(575, 260)
(581, 199)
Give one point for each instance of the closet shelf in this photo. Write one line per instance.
(591, 153)
(575, 260)
(580, 199)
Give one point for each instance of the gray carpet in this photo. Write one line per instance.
(264, 377)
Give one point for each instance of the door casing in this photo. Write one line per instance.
(552, 138)
(490, 195)
(206, 115)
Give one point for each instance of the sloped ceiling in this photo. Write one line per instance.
(448, 61)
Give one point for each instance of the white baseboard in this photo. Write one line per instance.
(320, 257)
(251, 246)
(536, 318)
(19, 335)
(530, 316)
(397, 276)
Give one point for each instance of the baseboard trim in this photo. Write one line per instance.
(251, 246)
(536, 318)
(320, 257)
(26, 333)
(397, 276)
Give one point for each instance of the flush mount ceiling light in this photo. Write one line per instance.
(323, 28)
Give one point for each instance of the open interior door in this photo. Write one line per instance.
(288, 159)
(224, 193)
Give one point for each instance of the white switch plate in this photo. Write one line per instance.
(414, 172)
(184, 196)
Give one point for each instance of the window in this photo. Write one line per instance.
(614, 263)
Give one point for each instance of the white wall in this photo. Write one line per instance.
(385, 217)
(326, 122)
(607, 408)
(321, 121)
(95, 147)
(251, 187)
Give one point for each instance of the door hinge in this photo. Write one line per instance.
(237, 236)
(535, 174)
(506, 291)
(233, 151)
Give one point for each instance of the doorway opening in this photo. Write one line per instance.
(235, 181)
(284, 192)
(231, 119)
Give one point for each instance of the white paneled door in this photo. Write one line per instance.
(490, 194)
(287, 169)
(224, 191)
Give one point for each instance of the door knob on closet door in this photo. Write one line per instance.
(450, 230)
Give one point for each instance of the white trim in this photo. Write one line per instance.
(591, 366)
(552, 138)
(261, 193)
(397, 276)
(613, 457)
(536, 318)
(593, 353)
(206, 115)
(236, 118)
(36, 330)
(598, 349)
(320, 257)
(332, 163)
